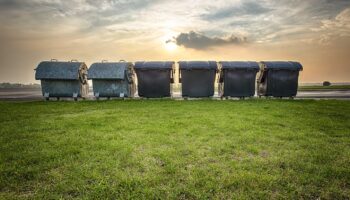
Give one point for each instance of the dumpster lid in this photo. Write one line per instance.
(108, 70)
(58, 70)
(290, 65)
(239, 65)
(154, 65)
(197, 65)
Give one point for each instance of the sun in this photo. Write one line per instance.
(170, 46)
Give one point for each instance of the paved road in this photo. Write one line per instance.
(35, 94)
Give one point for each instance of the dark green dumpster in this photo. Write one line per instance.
(63, 79)
(112, 79)
(197, 78)
(154, 78)
(279, 78)
(237, 78)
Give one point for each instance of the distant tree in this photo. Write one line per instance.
(19, 85)
(326, 83)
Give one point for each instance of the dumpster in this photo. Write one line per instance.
(197, 78)
(112, 79)
(63, 79)
(237, 79)
(154, 78)
(278, 79)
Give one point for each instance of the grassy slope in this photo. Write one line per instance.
(175, 149)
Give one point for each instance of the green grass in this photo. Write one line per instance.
(168, 149)
(332, 87)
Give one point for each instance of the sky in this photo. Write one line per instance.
(313, 32)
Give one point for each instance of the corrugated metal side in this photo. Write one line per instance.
(239, 65)
(154, 65)
(290, 65)
(198, 65)
(108, 71)
(58, 70)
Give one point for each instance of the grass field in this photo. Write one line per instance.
(316, 87)
(167, 149)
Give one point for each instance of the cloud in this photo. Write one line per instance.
(336, 28)
(244, 8)
(199, 41)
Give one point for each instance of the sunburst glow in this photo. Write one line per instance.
(170, 46)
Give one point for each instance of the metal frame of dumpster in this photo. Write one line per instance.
(197, 78)
(278, 78)
(155, 78)
(63, 79)
(112, 79)
(237, 78)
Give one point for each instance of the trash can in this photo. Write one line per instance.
(197, 78)
(112, 79)
(278, 78)
(63, 79)
(154, 78)
(237, 79)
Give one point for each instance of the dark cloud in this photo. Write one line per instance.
(199, 41)
(245, 8)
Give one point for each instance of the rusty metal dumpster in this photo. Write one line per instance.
(63, 79)
(112, 79)
(197, 78)
(237, 78)
(278, 78)
(154, 78)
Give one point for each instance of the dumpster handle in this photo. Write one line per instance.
(129, 76)
(180, 78)
(172, 76)
(74, 60)
(122, 60)
(53, 59)
(221, 76)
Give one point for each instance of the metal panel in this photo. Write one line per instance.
(287, 65)
(239, 65)
(154, 78)
(110, 71)
(58, 70)
(279, 79)
(63, 79)
(198, 65)
(111, 88)
(198, 82)
(153, 83)
(114, 79)
(239, 83)
(154, 65)
(283, 83)
(63, 88)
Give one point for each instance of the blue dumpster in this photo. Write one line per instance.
(237, 78)
(279, 78)
(112, 79)
(197, 78)
(154, 78)
(63, 79)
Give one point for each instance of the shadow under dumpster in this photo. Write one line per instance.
(25, 94)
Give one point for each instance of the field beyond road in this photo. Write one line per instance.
(168, 149)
